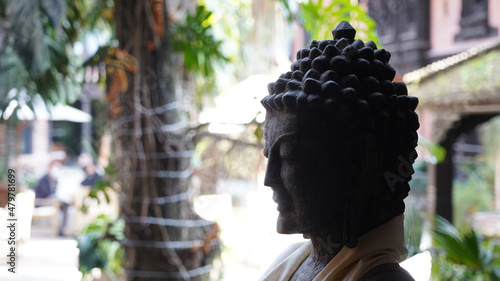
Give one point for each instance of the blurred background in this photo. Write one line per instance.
(135, 132)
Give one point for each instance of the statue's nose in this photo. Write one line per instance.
(272, 177)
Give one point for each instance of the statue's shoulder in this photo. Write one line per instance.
(297, 251)
(387, 272)
(287, 262)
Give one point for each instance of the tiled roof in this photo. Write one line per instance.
(449, 62)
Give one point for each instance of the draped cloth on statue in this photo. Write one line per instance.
(381, 245)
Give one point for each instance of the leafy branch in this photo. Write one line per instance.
(319, 17)
(193, 39)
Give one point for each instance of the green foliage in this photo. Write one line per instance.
(463, 255)
(258, 132)
(29, 178)
(36, 58)
(99, 14)
(489, 133)
(319, 17)
(99, 246)
(473, 188)
(434, 152)
(475, 193)
(194, 40)
(104, 186)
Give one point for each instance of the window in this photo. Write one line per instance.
(474, 21)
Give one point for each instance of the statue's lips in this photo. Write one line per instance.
(284, 205)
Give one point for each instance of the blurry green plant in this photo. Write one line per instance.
(475, 193)
(99, 246)
(488, 134)
(106, 185)
(433, 152)
(36, 57)
(474, 185)
(319, 17)
(28, 179)
(463, 255)
(194, 40)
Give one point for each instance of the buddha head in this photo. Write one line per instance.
(340, 138)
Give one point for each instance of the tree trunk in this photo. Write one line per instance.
(165, 239)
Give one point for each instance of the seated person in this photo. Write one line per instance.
(46, 189)
(46, 186)
(340, 139)
(93, 172)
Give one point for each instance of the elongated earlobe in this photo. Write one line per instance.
(350, 235)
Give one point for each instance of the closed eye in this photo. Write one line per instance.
(288, 151)
(286, 138)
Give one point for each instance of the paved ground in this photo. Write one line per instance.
(44, 258)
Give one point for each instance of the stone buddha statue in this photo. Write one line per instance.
(340, 138)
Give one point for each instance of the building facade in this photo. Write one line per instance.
(419, 32)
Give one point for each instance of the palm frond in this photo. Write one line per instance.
(36, 58)
(55, 11)
(27, 34)
(460, 248)
(466, 251)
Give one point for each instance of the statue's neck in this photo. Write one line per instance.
(324, 249)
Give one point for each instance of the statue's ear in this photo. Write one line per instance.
(368, 208)
(372, 153)
(366, 156)
(368, 171)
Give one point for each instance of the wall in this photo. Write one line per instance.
(445, 25)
